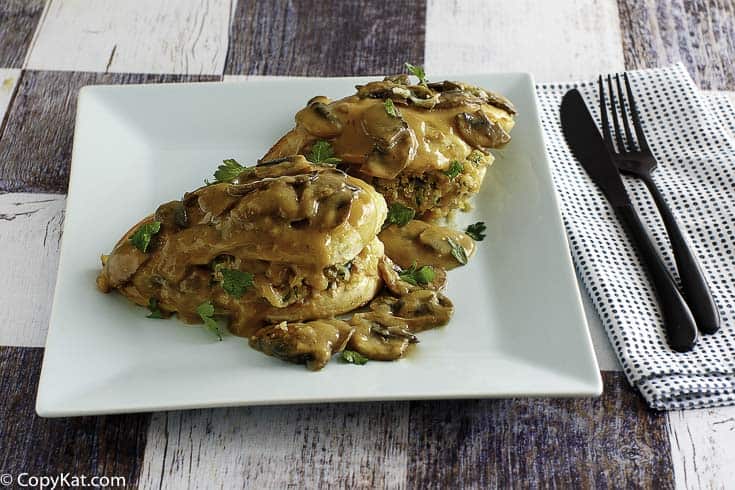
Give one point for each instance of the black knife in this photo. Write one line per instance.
(587, 144)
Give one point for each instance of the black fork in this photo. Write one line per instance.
(633, 157)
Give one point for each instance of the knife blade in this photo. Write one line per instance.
(588, 147)
(587, 144)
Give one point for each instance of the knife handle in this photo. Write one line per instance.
(693, 282)
(681, 329)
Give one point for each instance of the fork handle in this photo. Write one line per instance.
(693, 281)
(679, 323)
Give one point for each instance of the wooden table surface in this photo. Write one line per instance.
(48, 50)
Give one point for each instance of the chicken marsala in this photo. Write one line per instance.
(278, 251)
(287, 241)
(425, 146)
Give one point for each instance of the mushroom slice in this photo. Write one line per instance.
(479, 131)
(456, 98)
(395, 144)
(311, 343)
(377, 90)
(334, 210)
(379, 337)
(390, 274)
(385, 130)
(401, 79)
(387, 165)
(172, 213)
(426, 243)
(318, 119)
(446, 86)
(499, 101)
(420, 309)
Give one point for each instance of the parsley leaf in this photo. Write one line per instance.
(235, 282)
(391, 108)
(457, 251)
(476, 231)
(228, 171)
(417, 276)
(455, 168)
(155, 311)
(399, 214)
(206, 313)
(416, 71)
(352, 357)
(322, 152)
(142, 236)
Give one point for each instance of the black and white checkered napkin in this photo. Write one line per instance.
(692, 135)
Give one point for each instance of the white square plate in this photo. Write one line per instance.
(519, 328)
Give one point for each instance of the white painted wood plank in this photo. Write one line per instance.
(316, 446)
(30, 230)
(556, 41)
(134, 36)
(703, 448)
(8, 81)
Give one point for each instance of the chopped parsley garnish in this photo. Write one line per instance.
(142, 236)
(391, 108)
(418, 276)
(457, 251)
(455, 168)
(228, 171)
(235, 282)
(352, 357)
(155, 311)
(476, 231)
(322, 152)
(398, 214)
(206, 313)
(417, 71)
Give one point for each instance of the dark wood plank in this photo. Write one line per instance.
(610, 442)
(325, 38)
(18, 21)
(109, 446)
(699, 33)
(35, 146)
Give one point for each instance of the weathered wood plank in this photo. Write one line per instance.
(318, 446)
(556, 41)
(94, 446)
(318, 38)
(35, 146)
(30, 231)
(699, 33)
(18, 21)
(702, 447)
(136, 36)
(610, 442)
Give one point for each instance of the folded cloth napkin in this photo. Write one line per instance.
(692, 135)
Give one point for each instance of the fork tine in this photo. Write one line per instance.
(624, 115)
(613, 110)
(603, 116)
(634, 112)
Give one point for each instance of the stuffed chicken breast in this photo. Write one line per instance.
(425, 146)
(289, 241)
